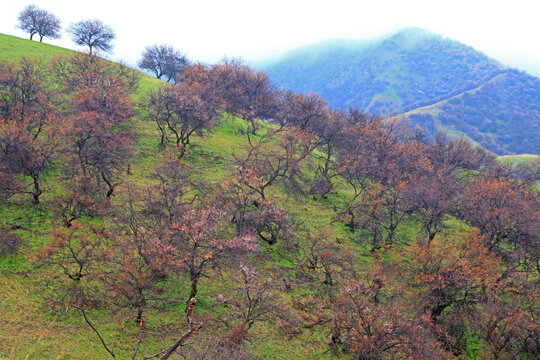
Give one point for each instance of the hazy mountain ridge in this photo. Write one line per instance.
(502, 114)
(413, 69)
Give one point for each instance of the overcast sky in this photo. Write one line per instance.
(208, 30)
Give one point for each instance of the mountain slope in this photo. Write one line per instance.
(502, 114)
(410, 69)
(416, 69)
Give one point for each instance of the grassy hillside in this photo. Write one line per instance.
(519, 159)
(13, 48)
(309, 279)
(33, 328)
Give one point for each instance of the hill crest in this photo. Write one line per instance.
(412, 69)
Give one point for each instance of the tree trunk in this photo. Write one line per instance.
(352, 221)
(179, 342)
(252, 126)
(139, 319)
(181, 151)
(162, 139)
(328, 277)
(194, 282)
(37, 191)
(110, 185)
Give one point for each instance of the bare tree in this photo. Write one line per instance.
(95, 130)
(92, 33)
(245, 92)
(183, 110)
(38, 21)
(48, 26)
(165, 353)
(10, 243)
(27, 20)
(163, 60)
(200, 245)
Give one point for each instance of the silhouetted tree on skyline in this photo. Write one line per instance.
(92, 33)
(163, 60)
(38, 21)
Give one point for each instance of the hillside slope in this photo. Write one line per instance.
(503, 114)
(13, 48)
(414, 69)
(33, 327)
(286, 257)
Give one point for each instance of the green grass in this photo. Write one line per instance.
(519, 159)
(13, 48)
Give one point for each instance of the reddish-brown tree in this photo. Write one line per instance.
(454, 154)
(76, 251)
(328, 133)
(445, 280)
(98, 137)
(253, 300)
(159, 107)
(508, 322)
(28, 125)
(370, 329)
(193, 114)
(378, 158)
(173, 193)
(450, 272)
(24, 94)
(307, 112)
(81, 198)
(79, 255)
(201, 242)
(10, 242)
(269, 222)
(142, 259)
(328, 257)
(507, 213)
(245, 92)
(9, 184)
(276, 155)
(432, 198)
(24, 153)
(81, 71)
(184, 110)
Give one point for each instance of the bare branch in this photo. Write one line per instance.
(95, 330)
(180, 341)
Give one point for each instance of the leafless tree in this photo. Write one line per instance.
(245, 92)
(38, 21)
(92, 33)
(163, 60)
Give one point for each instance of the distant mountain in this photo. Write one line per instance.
(503, 114)
(439, 83)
